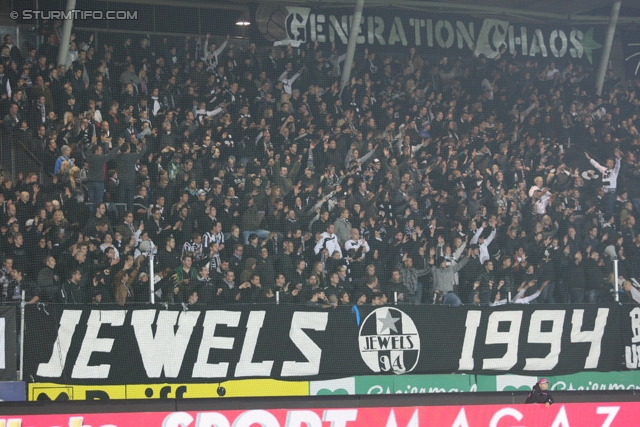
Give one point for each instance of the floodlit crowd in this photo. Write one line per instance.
(249, 175)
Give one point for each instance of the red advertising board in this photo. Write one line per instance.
(577, 414)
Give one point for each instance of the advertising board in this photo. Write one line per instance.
(240, 388)
(577, 414)
(460, 383)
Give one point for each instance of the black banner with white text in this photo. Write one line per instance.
(142, 345)
(7, 343)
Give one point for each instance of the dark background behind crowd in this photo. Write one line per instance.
(247, 171)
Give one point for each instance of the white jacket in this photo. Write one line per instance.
(331, 244)
(484, 251)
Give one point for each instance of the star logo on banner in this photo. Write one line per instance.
(389, 341)
(388, 322)
(589, 44)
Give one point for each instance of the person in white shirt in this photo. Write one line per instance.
(357, 243)
(609, 178)
(483, 243)
(538, 185)
(328, 240)
(542, 198)
(286, 81)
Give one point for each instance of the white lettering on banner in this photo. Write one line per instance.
(68, 322)
(632, 356)
(461, 420)
(256, 417)
(183, 419)
(554, 337)
(610, 411)
(594, 337)
(3, 362)
(561, 385)
(335, 28)
(390, 342)
(302, 26)
(92, 344)
(510, 358)
(413, 422)
(464, 35)
(635, 324)
(209, 419)
(505, 412)
(340, 417)
(376, 28)
(245, 366)
(153, 348)
(310, 350)
(561, 419)
(575, 36)
(397, 33)
(360, 38)
(416, 24)
(535, 336)
(581, 415)
(632, 352)
(555, 34)
(450, 35)
(297, 23)
(537, 44)
(471, 329)
(295, 418)
(303, 418)
(497, 28)
(202, 367)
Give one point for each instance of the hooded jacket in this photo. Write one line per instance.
(537, 395)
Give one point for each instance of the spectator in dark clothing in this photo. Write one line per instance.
(125, 167)
(95, 175)
(540, 393)
(72, 291)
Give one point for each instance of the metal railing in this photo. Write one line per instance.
(119, 207)
(17, 157)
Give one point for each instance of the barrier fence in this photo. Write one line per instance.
(614, 414)
(144, 345)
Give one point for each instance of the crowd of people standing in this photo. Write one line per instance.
(249, 171)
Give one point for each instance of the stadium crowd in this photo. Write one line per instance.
(248, 172)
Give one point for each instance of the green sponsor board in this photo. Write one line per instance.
(412, 384)
(402, 384)
(597, 381)
(629, 380)
(460, 383)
